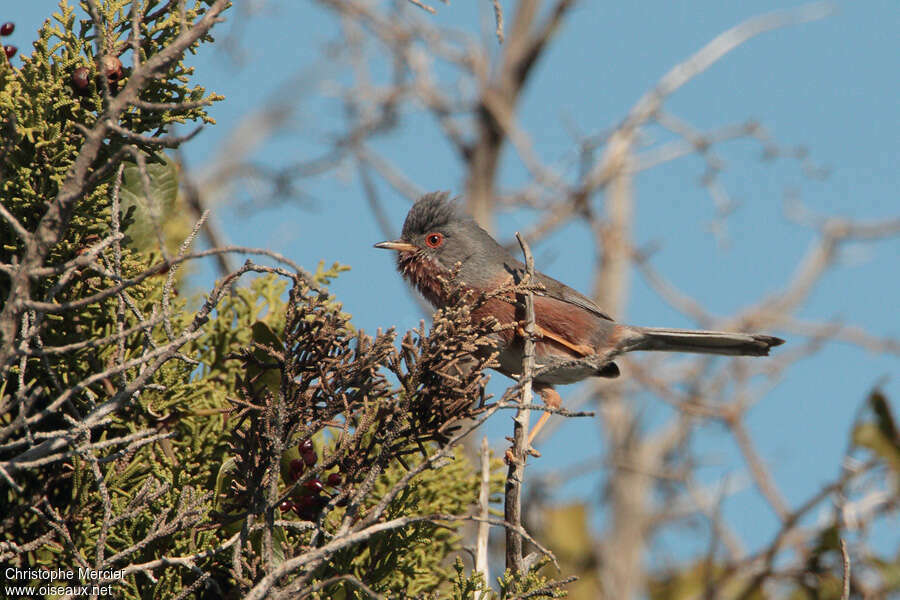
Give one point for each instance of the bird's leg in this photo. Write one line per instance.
(551, 398)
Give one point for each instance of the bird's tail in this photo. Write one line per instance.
(702, 342)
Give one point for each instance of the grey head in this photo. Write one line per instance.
(443, 232)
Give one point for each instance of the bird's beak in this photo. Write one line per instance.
(398, 245)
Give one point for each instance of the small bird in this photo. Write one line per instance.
(438, 237)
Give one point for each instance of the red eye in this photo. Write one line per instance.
(434, 240)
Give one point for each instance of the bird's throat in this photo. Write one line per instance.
(425, 274)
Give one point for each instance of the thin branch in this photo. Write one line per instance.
(481, 547)
(54, 223)
(357, 537)
(424, 7)
(498, 18)
(14, 223)
(845, 557)
(186, 561)
(516, 472)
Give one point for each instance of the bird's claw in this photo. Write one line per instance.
(509, 456)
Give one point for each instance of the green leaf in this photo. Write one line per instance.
(869, 435)
(279, 543)
(266, 376)
(883, 416)
(263, 334)
(224, 478)
(889, 571)
(881, 434)
(161, 190)
(151, 200)
(223, 483)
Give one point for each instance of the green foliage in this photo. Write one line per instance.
(533, 585)
(43, 116)
(468, 587)
(413, 560)
(153, 202)
(215, 446)
(318, 380)
(270, 367)
(879, 432)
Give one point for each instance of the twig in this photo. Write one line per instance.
(14, 223)
(424, 7)
(54, 223)
(516, 472)
(845, 594)
(481, 547)
(761, 476)
(318, 587)
(498, 17)
(350, 539)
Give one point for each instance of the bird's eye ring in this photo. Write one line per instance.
(434, 240)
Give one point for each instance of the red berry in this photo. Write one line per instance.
(7, 28)
(310, 458)
(81, 78)
(314, 485)
(286, 506)
(334, 479)
(305, 446)
(297, 469)
(10, 51)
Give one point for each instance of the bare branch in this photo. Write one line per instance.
(516, 457)
(481, 551)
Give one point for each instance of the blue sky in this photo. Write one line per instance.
(829, 85)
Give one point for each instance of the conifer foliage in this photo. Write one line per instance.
(246, 442)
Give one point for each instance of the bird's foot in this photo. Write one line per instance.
(509, 457)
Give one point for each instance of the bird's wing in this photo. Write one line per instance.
(579, 349)
(560, 291)
(556, 290)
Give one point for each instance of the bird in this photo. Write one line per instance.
(439, 241)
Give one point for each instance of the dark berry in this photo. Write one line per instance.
(314, 485)
(81, 78)
(307, 507)
(334, 479)
(305, 501)
(286, 506)
(305, 446)
(310, 458)
(7, 28)
(10, 51)
(308, 514)
(297, 469)
(112, 67)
